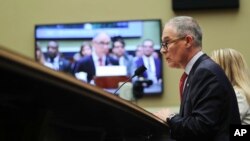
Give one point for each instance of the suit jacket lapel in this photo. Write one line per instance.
(187, 85)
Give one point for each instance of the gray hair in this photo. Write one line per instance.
(186, 25)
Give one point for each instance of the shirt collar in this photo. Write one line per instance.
(145, 57)
(95, 57)
(192, 61)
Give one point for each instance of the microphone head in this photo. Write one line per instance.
(140, 70)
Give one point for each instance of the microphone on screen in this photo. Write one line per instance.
(137, 72)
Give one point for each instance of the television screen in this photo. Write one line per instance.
(103, 53)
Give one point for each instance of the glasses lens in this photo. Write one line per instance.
(164, 44)
(103, 43)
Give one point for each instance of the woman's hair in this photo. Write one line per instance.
(84, 44)
(235, 67)
(39, 54)
(118, 39)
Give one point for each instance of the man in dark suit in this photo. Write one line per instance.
(208, 104)
(153, 64)
(99, 57)
(55, 60)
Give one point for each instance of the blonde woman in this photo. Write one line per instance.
(238, 73)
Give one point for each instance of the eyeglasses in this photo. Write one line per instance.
(167, 43)
(103, 43)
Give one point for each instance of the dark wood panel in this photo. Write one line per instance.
(39, 104)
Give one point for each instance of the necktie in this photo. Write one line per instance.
(52, 60)
(149, 66)
(100, 61)
(181, 84)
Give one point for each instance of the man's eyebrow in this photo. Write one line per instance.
(166, 38)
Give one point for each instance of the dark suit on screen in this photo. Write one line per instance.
(58, 63)
(86, 64)
(157, 62)
(204, 110)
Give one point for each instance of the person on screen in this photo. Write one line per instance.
(208, 101)
(155, 54)
(152, 64)
(85, 49)
(237, 71)
(119, 53)
(99, 57)
(138, 52)
(39, 54)
(55, 59)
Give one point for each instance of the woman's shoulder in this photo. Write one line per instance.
(244, 107)
(239, 90)
(240, 94)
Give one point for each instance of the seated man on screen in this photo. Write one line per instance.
(55, 60)
(138, 52)
(153, 64)
(99, 57)
(119, 53)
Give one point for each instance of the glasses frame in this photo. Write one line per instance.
(165, 44)
(103, 43)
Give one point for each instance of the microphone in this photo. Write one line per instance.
(137, 72)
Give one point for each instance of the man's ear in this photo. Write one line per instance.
(189, 41)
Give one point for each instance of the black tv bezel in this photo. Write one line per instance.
(50, 24)
(204, 4)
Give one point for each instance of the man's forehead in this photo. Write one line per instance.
(168, 32)
(102, 37)
(53, 44)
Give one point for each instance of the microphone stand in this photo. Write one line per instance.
(123, 84)
(138, 72)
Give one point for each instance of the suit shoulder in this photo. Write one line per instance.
(211, 66)
(139, 60)
(85, 59)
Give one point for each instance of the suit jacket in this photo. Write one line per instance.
(128, 62)
(86, 64)
(63, 63)
(157, 61)
(208, 107)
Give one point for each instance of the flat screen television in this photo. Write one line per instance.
(70, 36)
(204, 4)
